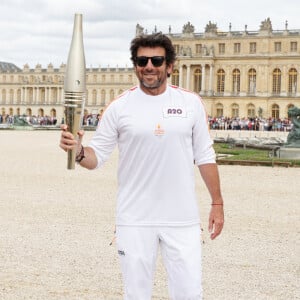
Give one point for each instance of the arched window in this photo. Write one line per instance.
(197, 80)
(219, 110)
(292, 81)
(175, 77)
(288, 107)
(275, 111)
(251, 111)
(221, 81)
(53, 113)
(40, 112)
(276, 81)
(252, 81)
(28, 112)
(234, 110)
(236, 79)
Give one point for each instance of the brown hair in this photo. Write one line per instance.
(153, 40)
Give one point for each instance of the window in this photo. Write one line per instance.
(197, 80)
(221, 48)
(236, 76)
(220, 111)
(292, 81)
(234, 110)
(277, 46)
(276, 81)
(176, 47)
(221, 81)
(251, 111)
(275, 111)
(252, 81)
(198, 48)
(175, 78)
(237, 47)
(293, 46)
(252, 47)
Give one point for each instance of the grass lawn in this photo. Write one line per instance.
(248, 154)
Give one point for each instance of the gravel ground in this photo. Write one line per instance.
(56, 226)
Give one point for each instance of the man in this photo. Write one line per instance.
(161, 132)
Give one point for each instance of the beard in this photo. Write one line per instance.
(156, 84)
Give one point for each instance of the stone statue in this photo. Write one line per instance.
(266, 25)
(20, 121)
(139, 30)
(188, 28)
(211, 27)
(293, 139)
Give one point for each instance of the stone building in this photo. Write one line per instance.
(237, 73)
(240, 73)
(39, 92)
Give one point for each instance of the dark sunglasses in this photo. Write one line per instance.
(156, 61)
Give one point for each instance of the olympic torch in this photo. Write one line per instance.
(74, 85)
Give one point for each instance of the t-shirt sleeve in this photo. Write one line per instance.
(202, 143)
(106, 135)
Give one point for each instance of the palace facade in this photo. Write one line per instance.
(237, 73)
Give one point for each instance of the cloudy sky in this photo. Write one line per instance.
(40, 31)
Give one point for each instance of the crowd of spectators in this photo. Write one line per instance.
(221, 123)
(30, 120)
(258, 124)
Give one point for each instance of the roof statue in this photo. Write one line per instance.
(266, 25)
(188, 28)
(211, 27)
(139, 30)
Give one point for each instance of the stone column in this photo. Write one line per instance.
(180, 76)
(37, 95)
(211, 80)
(50, 96)
(25, 96)
(188, 77)
(203, 80)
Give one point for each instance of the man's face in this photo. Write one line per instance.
(153, 79)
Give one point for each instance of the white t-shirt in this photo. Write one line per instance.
(159, 139)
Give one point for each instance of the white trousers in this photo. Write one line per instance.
(181, 252)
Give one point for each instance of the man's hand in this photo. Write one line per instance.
(68, 141)
(216, 220)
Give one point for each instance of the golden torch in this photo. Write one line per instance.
(74, 85)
